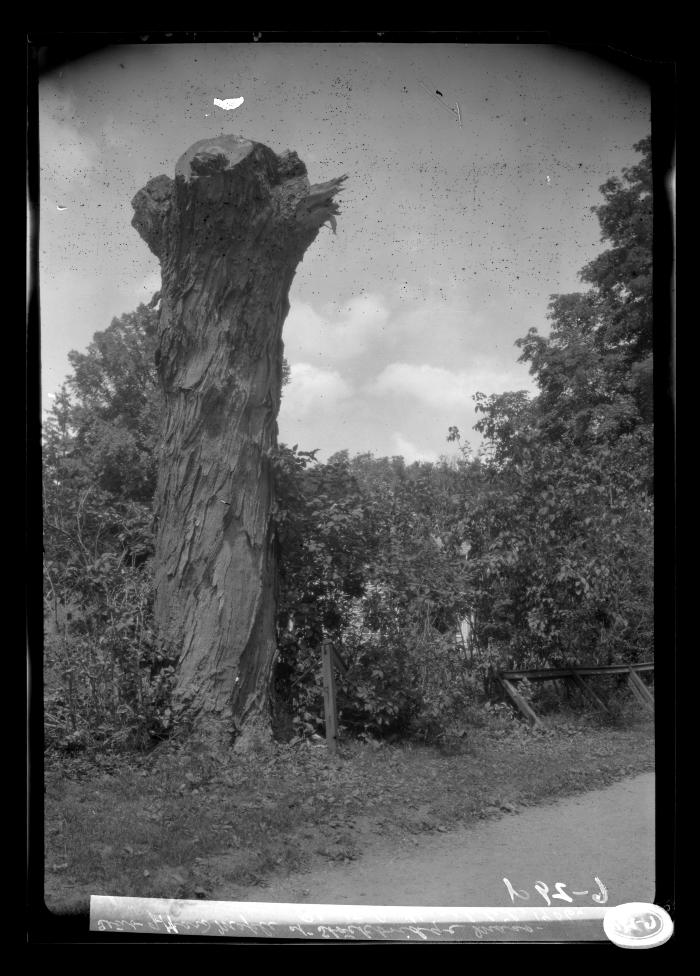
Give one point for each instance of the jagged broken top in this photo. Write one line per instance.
(283, 177)
(232, 148)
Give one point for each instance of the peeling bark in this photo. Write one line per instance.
(229, 232)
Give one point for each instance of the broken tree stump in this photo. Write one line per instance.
(229, 231)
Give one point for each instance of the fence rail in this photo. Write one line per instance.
(575, 676)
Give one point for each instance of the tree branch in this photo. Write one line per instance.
(318, 206)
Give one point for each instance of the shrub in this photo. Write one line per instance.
(106, 679)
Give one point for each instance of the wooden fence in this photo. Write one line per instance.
(575, 676)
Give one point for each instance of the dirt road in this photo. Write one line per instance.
(597, 844)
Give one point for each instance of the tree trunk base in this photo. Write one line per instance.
(255, 739)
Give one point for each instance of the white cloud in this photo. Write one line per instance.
(442, 388)
(443, 328)
(409, 452)
(432, 385)
(337, 332)
(311, 389)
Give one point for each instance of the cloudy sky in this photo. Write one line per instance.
(457, 224)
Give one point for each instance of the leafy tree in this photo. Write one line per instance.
(595, 369)
(368, 557)
(106, 678)
(117, 406)
(562, 529)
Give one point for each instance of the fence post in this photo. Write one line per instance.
(641, 691)
(329, 704)
(588, 692)
(520, 702)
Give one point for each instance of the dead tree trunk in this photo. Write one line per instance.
(229, 231)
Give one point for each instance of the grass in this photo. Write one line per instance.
(182, 822)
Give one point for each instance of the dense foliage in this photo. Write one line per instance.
(105, 678)
(569, 487)
(426, 576)
(370, 560)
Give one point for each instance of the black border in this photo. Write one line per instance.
(652, 56)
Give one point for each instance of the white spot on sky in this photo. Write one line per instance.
(228, 103)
